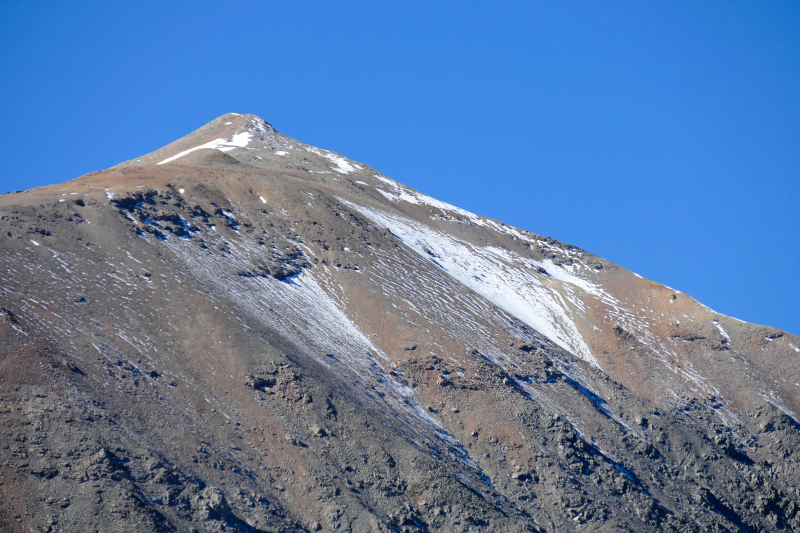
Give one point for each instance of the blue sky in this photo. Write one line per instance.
(663, 136)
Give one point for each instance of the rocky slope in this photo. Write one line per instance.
(241, 332)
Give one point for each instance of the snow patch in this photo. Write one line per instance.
(402, 196)
(502, 277)
(722, 331)
(342, 165)
(400, 193)
(240, 140)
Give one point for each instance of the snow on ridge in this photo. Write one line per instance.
(770, 397)
(565, 273)
(400, 192)
(260, 125)
(343, 166)
(240, 140)
(722, 331)
(499, 276)
(402, 196)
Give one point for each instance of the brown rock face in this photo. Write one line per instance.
(209, 503)
(241, 332)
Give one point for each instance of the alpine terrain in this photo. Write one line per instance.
(242, 332)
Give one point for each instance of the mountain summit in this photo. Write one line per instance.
(242, 332)
(223, 134)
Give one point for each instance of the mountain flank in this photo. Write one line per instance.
(242, 332)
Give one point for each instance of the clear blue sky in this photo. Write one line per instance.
(663, 136)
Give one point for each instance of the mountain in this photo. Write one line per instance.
(242, 332)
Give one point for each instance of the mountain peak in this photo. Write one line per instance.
(239, 122)
(225, 133)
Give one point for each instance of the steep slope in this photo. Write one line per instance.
(243, 332)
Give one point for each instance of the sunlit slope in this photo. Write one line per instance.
(238, 301)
